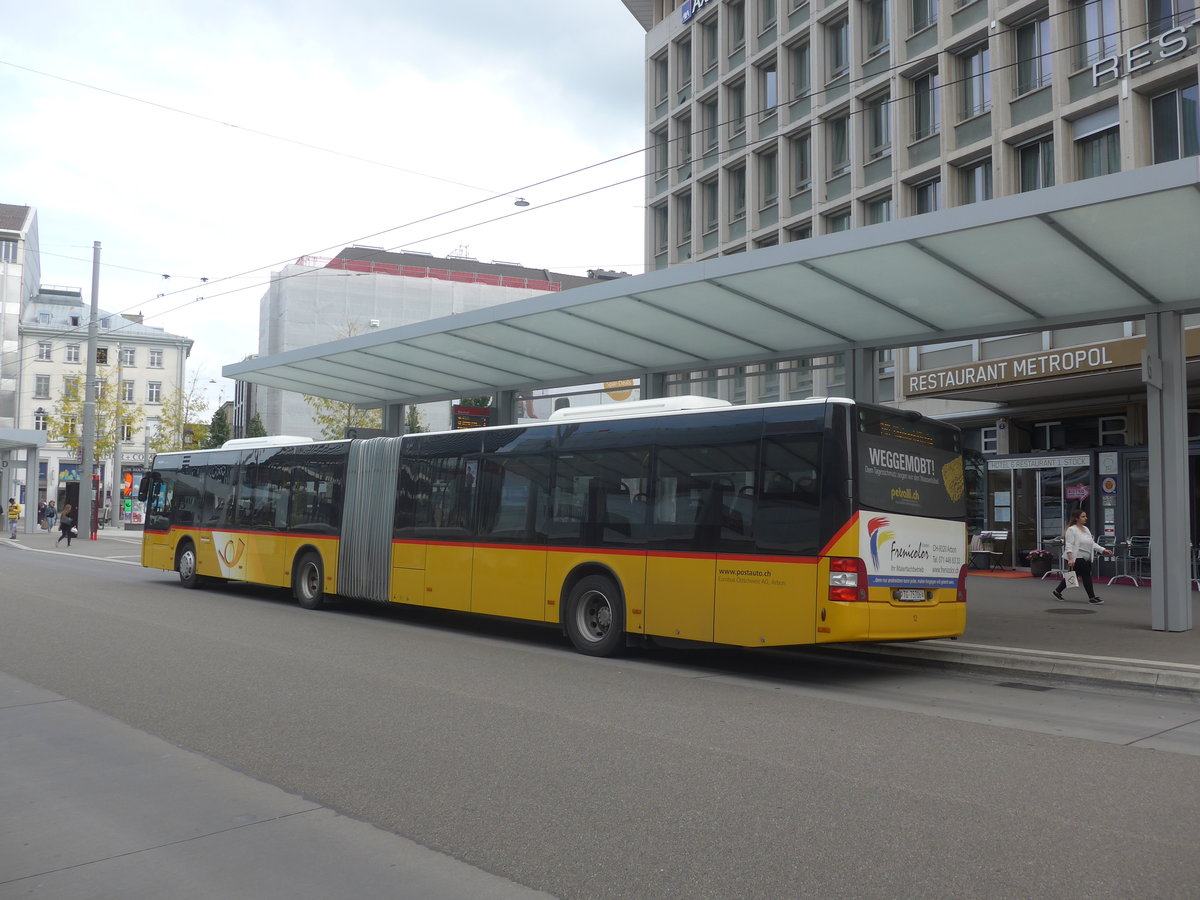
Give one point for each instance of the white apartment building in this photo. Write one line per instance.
(319, 300)
(145, 364)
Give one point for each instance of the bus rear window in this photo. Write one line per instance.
(909, 465)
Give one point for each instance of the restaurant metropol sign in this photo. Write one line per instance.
(1104, 356)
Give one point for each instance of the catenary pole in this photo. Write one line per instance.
(87, 469)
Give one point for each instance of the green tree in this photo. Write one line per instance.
(113, 414)
(255, 428)
(476, 401)
(218, 429)
(333, 417)
(180, 420)
(413, 423)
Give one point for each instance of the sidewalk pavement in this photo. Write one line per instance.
(1012, 623)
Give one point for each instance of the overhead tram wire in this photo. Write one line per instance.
(910, 64)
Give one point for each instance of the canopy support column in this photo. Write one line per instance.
(1164, 372)
(31, 488)
(505, 408)
(861, 374)
(653, 385)
(393, 419)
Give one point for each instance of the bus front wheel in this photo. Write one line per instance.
(185, 564)
(595, 616)
(308, 581)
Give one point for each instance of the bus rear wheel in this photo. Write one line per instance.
(308, 581)
(185, 564)
(595, 616)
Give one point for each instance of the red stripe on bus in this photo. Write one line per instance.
(828, 548)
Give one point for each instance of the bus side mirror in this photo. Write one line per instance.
(144, 487)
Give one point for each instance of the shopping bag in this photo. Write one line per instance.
(75, 533)
(1071, 579)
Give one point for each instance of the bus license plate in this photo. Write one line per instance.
(910, 595)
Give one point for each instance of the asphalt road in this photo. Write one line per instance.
(666, 774)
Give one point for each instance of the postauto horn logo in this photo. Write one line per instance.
(876, 530)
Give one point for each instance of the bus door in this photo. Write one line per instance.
(509, 565)
(681, 567)
(449, 554)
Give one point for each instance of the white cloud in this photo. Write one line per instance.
(486, 94)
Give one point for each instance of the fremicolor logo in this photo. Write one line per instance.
(876, 530)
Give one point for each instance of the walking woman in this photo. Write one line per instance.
(66, 525)
(1080, 550)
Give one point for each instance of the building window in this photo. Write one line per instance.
(737, 192)
(837, 47)
(926, 105)
(154, 392)
(1163, 15)
(800, 232)
(1033, 55)
(1175, 124)
(878, 23)
(708, 42)
(661, 232)
(8, 250)
(879, 210)
(126, 434)
(977, 181)
(659, 70)
(1093, 30)
(924, 14)
(98, 387)
(709, 120)
(768, 88)
(879, 126)
(767, 13)
(128, 356)
(1112, 431)
(70, 425)
(1036, 164)
(710, 204)
(44, 350)
(735, 97)
(156, 359)
(1099, 154)
(989, 439)
(41, 387)
(768, 178)
(927, 196)
(683, 57)
(102, 356)
(40, 422)
(72, 353)
(800, 62)
(801, 155)
(71, 386)
(735, 20)
(837, 221)
(126, 391)
(976, 81)
(837, 129)
(658, 140)
(44, 317)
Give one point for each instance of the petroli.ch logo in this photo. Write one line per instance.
(877, 530)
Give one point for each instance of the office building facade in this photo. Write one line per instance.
(770, 121)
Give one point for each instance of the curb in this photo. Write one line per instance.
(1141, 673)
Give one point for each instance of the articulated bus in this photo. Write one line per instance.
(685, 519)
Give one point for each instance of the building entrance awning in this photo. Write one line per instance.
(1105, 249)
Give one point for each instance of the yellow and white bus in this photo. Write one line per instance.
(779, 524)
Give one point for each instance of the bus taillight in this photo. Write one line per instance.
(962, 585)
(847, 579)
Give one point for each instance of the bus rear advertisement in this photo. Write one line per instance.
(687, 519)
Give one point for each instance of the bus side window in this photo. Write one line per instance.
(788, 517)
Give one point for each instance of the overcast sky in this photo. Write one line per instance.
(206, 173)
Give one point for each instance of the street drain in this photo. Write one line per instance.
(1060, 611)
(1021, 686)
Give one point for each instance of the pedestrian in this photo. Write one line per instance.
(14, 513)
(1080, 549)
(41, 520)
(66, 525)
(51, 515)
